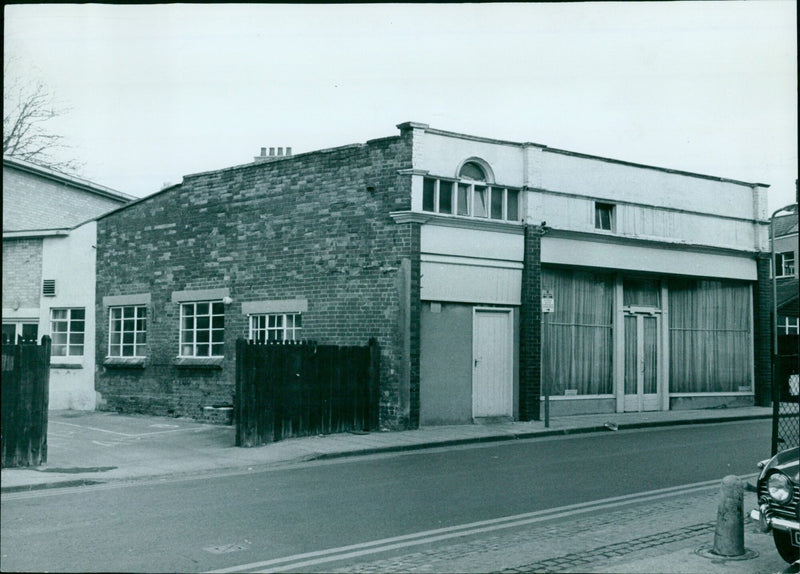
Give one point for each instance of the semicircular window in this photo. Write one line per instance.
(473, 171)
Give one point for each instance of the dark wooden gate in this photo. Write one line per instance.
(25, 395)
(288, 389)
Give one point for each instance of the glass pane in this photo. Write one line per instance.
(463, 199)
(9, 334)
(116, 312)
(298, 321)
(427, 194)
(497, 203)
(76, 338)
(480, 202)
(188, 323)
(187, 337)
(141, 324)
(127, 337)
(650, 336)
(217, 336)
(203, 350)
(79, 314)
(218, 308)
(202, 336)
(30, 331)
(141, 338)
(512, 209)
(187, 309)
(641, 292)
(128, 312)
(218, 350)
(58, 314)
(128, 325)
(76, 350)
(630, 355)
(141, 312)
(202, 308)
(58, 350)
(77, 326)
(445, 197)
(59, 338)
(186, 351)
(127, 350)
(218, 322)
(472, 170)
(203, 322)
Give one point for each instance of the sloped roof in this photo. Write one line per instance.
(787, 297)
(785, 225)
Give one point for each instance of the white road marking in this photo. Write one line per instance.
(298, 561)
(133, 435)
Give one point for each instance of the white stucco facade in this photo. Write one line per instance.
(70, 260)
(664, 226)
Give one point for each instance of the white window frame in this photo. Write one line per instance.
(188, 346)
(19, 326)
(489, 188)
(785, 264)
(791, 326)
(71, 332)
(604, 206)
(263, 325)
(139, 330)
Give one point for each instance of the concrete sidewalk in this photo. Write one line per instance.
(91, 447)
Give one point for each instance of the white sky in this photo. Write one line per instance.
(160, 91)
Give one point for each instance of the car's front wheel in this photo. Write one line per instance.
(783, 542)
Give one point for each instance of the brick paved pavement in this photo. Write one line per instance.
(649, 534)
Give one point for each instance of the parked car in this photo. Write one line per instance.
(778, 491)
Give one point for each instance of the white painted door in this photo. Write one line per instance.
(492, 375)
(642, 343)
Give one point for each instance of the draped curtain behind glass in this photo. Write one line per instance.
(710, 347)
(577, 343)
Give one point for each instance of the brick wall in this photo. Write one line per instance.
(762, 331)
(301, 227)
(34, 202)
(530, 331)
(22, 273)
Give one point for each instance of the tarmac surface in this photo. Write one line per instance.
(88, 448)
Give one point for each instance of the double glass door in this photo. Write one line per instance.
(642, 344)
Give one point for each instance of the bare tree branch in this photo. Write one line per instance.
(27, 109)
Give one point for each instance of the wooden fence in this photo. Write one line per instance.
(300, 389)
(25, 393)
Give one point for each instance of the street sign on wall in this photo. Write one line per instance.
(548, 303)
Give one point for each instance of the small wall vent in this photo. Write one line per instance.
(49, 288)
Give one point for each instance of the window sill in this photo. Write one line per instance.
(66, 366)
(198, 362)
(125, 362)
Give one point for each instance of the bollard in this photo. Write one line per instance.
(729, 534)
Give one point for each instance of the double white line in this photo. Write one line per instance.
(298, 561)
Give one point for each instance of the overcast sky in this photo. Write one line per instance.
(160, 91)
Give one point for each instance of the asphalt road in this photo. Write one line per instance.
(219, 522)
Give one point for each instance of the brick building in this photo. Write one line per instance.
(786, 254)
(487, 270)
(48, 270)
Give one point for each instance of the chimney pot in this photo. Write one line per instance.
(263, 152)
(288, 151)
(271, 151)
(280, 151)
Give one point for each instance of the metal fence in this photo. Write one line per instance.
(785, 403)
